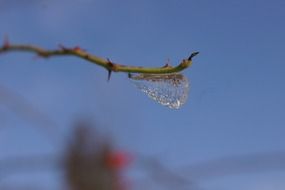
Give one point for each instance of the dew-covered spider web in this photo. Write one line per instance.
(167, 89)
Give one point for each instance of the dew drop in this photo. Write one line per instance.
(170, 90)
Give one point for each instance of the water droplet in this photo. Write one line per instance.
(167, 89)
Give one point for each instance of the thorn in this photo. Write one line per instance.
(193, 55)
(110, 64)
(109, 75)
(165, 66)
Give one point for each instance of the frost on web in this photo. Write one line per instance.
(167, 89)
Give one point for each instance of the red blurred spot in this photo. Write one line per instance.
(118, 160)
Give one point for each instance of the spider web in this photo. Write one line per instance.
(167, 89)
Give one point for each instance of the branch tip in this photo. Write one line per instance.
(193, 55)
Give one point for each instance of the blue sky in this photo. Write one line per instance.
(236, 103)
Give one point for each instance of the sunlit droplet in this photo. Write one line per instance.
(167, 89)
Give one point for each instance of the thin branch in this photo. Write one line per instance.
(252, 163)
(106, 63)
(25, 110)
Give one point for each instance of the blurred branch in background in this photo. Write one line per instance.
(91, 161)
(160, 175)
(192, 176)
(234, 165)
(21, 107)
(27, 164)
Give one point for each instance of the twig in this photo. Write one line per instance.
(25, 110)
(106, 63)
(252, 163)
(28, 164)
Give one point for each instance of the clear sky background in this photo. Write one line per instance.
(236, 104)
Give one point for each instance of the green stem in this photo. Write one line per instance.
(107, 64)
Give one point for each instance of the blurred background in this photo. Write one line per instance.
(229, 135)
